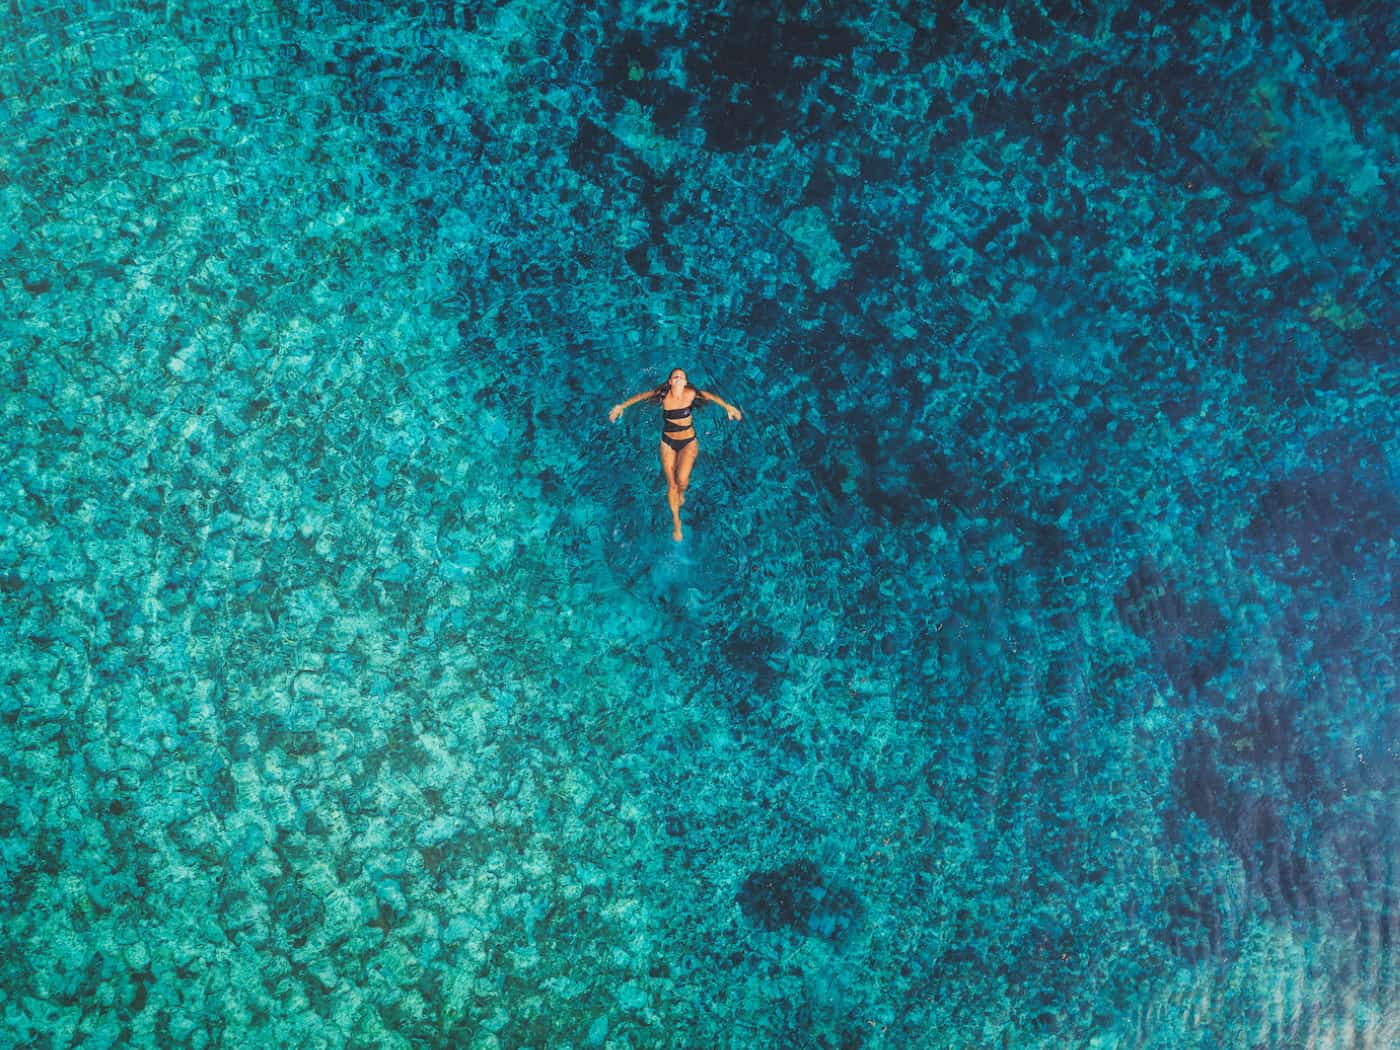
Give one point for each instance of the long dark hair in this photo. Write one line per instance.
(659, 394)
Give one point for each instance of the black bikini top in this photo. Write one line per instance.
(676, 413)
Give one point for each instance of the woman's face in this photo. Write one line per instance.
(677, 380)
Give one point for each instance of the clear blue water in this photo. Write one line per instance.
(1027, 674)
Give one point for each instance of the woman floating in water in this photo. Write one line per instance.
(678, 444)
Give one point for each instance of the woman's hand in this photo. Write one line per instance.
(733, 413)
(616, 413)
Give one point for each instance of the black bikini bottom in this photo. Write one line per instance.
(677, 445)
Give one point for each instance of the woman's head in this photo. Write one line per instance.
(675, 383)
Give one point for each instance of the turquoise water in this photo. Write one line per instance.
(1027, 675)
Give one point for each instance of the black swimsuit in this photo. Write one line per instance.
(668, 427)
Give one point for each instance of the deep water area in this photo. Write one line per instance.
(1026, 675)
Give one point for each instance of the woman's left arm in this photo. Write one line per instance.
(729, 410)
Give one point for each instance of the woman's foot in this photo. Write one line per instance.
(676, 533)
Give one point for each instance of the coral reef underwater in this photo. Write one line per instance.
(1027, 676)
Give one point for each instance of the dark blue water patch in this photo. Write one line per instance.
(1362, 898)
(296, 909)
(600, 156)
(1189, 640)
(748, 667)
(875, 266)
(1268, 733)
(219, 788)
(1284, 367)
(273, 732)
(1192, 921)
(752, 66)
(1372, 342)
(1050, 951)
(940, 30)
(633, 68)
(1353, 61)
(899, 475)
(1251, 822)
(1341, 514)
(1266, 782)
(798, 897)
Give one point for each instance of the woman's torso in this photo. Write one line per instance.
(676, 415)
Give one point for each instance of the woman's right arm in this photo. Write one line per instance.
(617, 410)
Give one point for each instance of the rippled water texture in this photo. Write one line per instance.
(1027, 674)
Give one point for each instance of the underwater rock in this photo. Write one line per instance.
(752, 68)
(296, 908)
(1266, 830)
(1188, 639)
(797, 897)
(1313, 522)
(748, 669)
(1193, 921)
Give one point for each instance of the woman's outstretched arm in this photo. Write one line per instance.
(729, 410)
(616, 413)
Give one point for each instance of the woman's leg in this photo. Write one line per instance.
(680, 480)
(673, 495)
(685, 462)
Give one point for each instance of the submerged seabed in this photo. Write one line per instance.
(1028, 675)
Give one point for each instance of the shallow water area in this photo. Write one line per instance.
(1026, 676)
